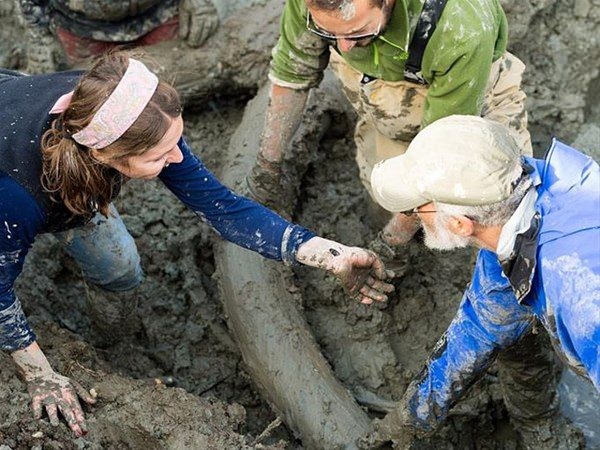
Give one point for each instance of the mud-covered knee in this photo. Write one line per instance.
(125, 279)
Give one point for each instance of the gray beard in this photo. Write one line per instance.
(440, 238)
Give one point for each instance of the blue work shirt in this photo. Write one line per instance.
(562, 291)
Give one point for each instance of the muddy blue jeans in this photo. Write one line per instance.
(105, 252)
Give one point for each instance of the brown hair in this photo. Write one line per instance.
(70, 173)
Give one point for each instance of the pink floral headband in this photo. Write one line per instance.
(119, 111)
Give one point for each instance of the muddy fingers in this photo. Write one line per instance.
(56, 393)
(51, 410)
(373, 294)
(71, 411)
(36, 406)
(83, 393)
(380, 285)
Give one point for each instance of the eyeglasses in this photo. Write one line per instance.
(412, 212)
(313, 28)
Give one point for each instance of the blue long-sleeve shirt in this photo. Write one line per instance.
(236, 218)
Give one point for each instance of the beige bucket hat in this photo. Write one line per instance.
(459, 160)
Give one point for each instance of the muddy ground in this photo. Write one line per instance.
(373, 350)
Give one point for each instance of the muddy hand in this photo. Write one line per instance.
(265, 184)
(400, 229)
(57, 393)
(198, 20)
(361, 272)
(393, 428)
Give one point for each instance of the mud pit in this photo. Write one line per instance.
(373, 351)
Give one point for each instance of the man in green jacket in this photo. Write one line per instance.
(404, 64)
(464, 69)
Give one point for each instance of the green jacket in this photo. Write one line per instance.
(470, 35)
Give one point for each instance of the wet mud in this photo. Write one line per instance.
(372, 352)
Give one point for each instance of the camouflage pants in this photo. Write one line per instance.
(390, 112)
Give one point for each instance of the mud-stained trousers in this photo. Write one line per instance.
(390, 116)
(390, 112)
(529, 378)
(110, 264)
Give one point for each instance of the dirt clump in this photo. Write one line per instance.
(129, 413)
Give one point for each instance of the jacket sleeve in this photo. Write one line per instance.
(20, 221)
(489, 319)
(299, 57)
(236, 218)
(458, 59)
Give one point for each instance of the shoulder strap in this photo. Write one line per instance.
(430, 15)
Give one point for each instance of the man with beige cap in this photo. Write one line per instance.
(537, 224)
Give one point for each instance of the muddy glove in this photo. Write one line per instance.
(400, 229)
(44, 54)
(392, 429)
(51, 390)
(267, 185)
(267, 181)
(360, 271)
(198, 20)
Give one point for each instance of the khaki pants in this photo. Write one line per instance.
(390, 112)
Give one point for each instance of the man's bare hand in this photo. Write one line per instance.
(56, 393)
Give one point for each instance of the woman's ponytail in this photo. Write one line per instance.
(72, 176)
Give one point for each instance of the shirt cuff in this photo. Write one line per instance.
(293, 237)
(15, 333)
(286, 84)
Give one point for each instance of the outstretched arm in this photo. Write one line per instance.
(251, 225)
(236, 218)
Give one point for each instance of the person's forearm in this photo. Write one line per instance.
(283, 117)
(31, 362)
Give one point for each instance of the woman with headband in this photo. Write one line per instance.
(70, 139)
